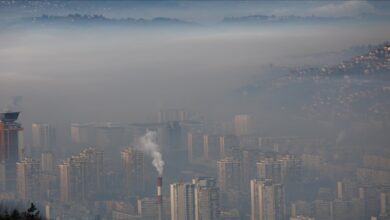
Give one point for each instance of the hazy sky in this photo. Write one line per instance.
(127, 74)
(202, 11)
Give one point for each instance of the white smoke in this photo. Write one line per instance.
(151, 148)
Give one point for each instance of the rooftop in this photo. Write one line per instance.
(9, 116)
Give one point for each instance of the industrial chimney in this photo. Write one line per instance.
(159, 198)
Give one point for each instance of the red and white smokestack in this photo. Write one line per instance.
(159, 197)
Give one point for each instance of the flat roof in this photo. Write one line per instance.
(9, 116)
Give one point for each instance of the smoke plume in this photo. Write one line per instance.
(150, 147)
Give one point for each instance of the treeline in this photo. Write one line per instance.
(31, 213)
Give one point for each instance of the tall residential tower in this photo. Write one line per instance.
(182, 201)
(133, 167)
(43, 138)
(267, 201)
(11, 148)
(207, 205)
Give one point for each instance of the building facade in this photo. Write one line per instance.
(182, 201)
(133, 167)
(29, 180)
(11, 149)
(207, 204)
(43, 138)
(229, 174)
(81, 176)
(267, 200)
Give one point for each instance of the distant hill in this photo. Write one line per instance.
(85, 19)
(259, 19)
(356, 89)
(273, 19)
(374, 63)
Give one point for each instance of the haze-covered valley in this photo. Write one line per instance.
(292, 95)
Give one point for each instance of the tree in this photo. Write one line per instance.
(32, 213)
(15, 215)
